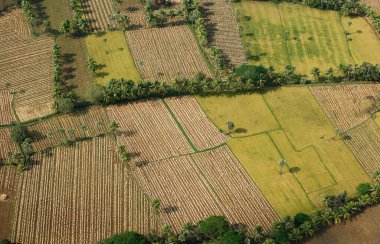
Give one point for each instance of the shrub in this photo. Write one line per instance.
(231, 237)
(213, 227)
(64, 105)
(363, 188)
(129, 237)
(300, 218)
(95, 93)
(19, 133)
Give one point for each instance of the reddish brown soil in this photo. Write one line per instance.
(365, 228)
(6, 210)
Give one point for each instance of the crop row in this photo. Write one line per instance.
(80, 194)
(347, 105)
(98, 14)
(163, 53)
(6, 114)
(200, 129)
(148, 130)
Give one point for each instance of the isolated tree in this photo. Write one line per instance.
(91, 66)
(64, 105)
(230, 126)
(282, 164)
(46, 25)
(19, 133)
(65, 27)
(156, 204)
(112, 127)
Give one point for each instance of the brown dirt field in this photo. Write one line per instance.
(183, 192)
(148, 131)
(7, 145)
(130, 5)
(364, 142)
(6, 210)
(242, 200)
(163, 53)
(80, 194)
(80, 124)
(374, 3)
(98, 13)
(225, 34)
(346, 105)
(6, 113)
(362, 229)
(26, 66)
(198, 127)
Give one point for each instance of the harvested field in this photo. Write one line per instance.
(364, 141)
(221, 20)
(164, 53)
(98, 13)
(138, 19)
(148, 131)
(198, 127)
(7, 145)
(347, 105)
(81, 124)
(364, 228)
(242, 199)
(183, 192)
(8, 178)
(6, 113)
(26, 66)
(80, 194)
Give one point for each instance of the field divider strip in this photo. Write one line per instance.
(345, 37)
(295, 177)
(180, 126)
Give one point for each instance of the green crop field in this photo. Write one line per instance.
(287, 124)
(281, 34)
(112, 53)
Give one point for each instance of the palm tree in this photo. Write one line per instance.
(112, 127)
(330, 74)
(288, 222)
(295, 235)
(249, 85)
(316, 72)
(258, 233)
(230, 126)
(307, 228)
(65, 27)
(282, 164)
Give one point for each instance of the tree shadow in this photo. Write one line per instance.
(294, 170)
(170, 209)
(240, 130)
(102, 74)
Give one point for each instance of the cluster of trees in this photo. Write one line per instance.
(77, 25)
(339, 208)
(189, 13)
(20, 135)
(122, 20)
(64, 101)
(30, 15)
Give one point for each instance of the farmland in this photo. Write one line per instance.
(112, 54)
(158, 57)
(199, 128)
(6, 113)
(282, 34)
(362, 229)
(63, 199)
(26, 66)
(143, 128)
(299, 133)
(62, 129)
(224, 31)
(350, 108)
(98, 14)
(199, 191)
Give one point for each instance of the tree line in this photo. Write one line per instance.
(337, 209)
(77, 25)
(246, 78)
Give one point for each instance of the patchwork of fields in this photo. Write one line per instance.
(78, 189)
